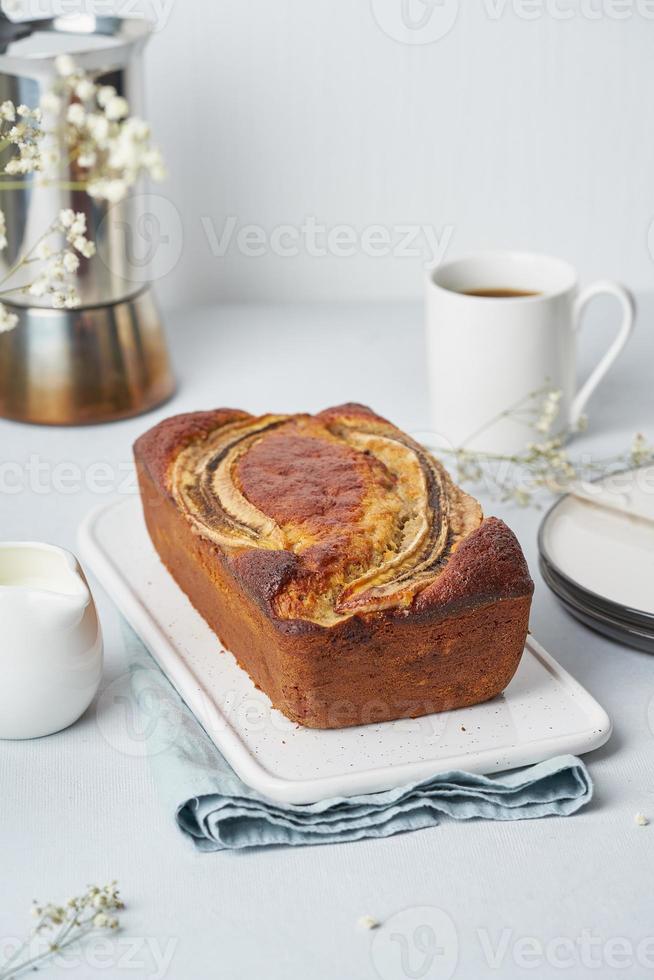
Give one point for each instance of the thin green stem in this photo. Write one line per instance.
(15, 289)
(60, 941)
(27, 256)
(14, 956)
(55, 948)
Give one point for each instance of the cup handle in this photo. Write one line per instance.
(628, 305)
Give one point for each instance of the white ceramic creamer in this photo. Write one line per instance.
(50, 640)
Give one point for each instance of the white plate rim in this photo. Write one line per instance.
(616, 608)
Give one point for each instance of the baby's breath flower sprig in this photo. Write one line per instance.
(8, 320)
(59, 926)
(108, 148)
(21, 129)
(57, 264)
(544, 465)
(549, 411)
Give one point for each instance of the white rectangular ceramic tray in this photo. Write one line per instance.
(543, 712)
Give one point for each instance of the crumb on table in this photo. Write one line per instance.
(367, 922)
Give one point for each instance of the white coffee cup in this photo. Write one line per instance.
(489, 355)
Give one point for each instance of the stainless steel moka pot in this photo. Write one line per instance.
(106, 359)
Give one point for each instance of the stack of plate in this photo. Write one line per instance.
(600, 562)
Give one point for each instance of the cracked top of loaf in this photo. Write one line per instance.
(331, 515)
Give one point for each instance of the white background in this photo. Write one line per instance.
(527, 125)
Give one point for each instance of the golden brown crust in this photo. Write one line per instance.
(336, 560)
(159, 446)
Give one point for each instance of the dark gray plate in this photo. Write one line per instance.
(585, 597)
(620, 630)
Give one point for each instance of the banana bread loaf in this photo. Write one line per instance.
(338, 562)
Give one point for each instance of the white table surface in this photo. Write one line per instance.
(81, 807)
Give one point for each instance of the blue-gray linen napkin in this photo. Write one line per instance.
(218, 811)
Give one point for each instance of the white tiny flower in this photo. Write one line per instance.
(98, 127)
(153, 163)
(641, 820)
(50, 102)
(85, 89)
(115, 190)
(7, 320)
(39, 287)
(95, 189)
(66, 217)
(43, 250)
(65, 65)
(13, 167)
(116, 108)
(101, 920)
(8, 111)
(640, 450)
(158, 172)
(105, 95)
(78, 226)
(59, 300)
(85, 247)
(23, 110)
(87, 159)
(76, 115)
(137, 128)
(70, 262)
